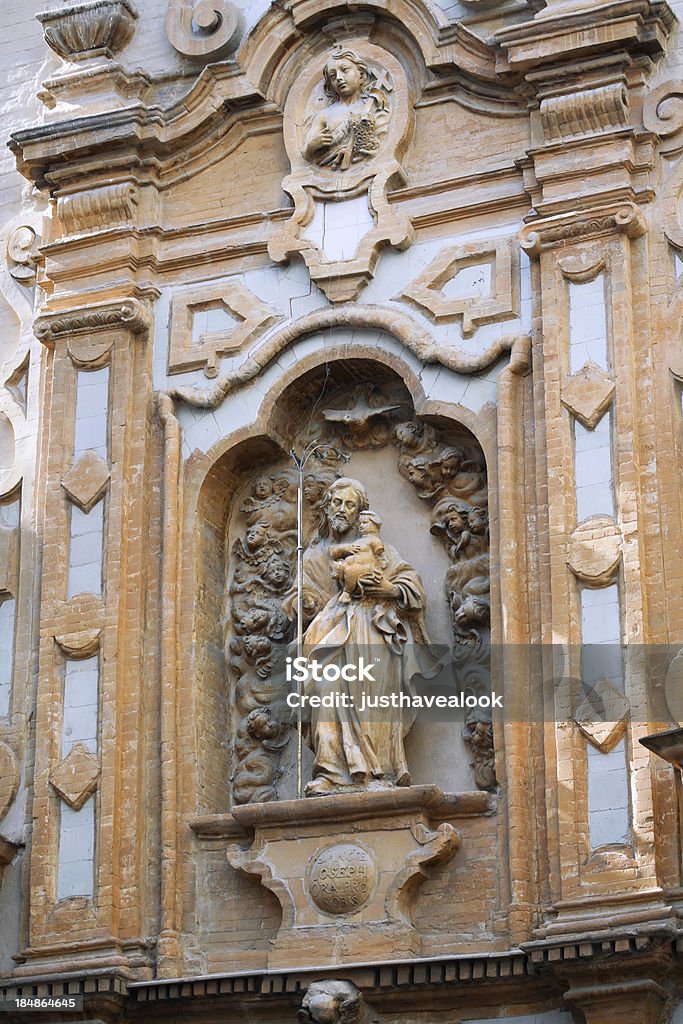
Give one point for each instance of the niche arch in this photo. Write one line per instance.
(216, 481)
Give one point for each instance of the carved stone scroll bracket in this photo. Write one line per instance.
(128, 314)
(247, 319)
(204, 29)
(598, 221)
(344, 156)
(22, 254)
(92, 28)
(345, 864)
(494, 297)
(663, 114)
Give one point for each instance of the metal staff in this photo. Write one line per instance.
(315, 449)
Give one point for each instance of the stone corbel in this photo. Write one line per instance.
(98, 208)
(204, 29)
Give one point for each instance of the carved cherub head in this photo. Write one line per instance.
(369, 524)
(332, 1002)
(257, 535)
(276, 573)
(262, 488)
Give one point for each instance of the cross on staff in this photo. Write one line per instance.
(317, 450)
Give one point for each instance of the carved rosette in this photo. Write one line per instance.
(94, 28)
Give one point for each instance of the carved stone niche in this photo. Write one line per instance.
(347, 122)
(427, 490)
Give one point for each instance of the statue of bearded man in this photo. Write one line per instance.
(355, 747)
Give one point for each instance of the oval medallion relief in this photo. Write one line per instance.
(341, 879)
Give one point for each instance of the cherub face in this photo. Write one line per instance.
(344, 76)
(417, 472)
(313, 489)
(281, 487)
(454, 520)
(276, 572)
(366, 527)
(263, 487)
(257, 535)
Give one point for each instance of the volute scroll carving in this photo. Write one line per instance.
(204, 29)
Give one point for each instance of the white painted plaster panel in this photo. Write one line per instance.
(86, 545)
(79, 723)
(608, 797)
(469, 281)
(75, 872)
(7, 619)
(92, 404)
(338, 228)
(588, 323)
(593, 469)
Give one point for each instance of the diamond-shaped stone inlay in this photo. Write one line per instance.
(75, 778)
(601, 717)
(86, 480)
(587, 394)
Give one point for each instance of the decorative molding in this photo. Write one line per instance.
(594, 551)
(75, 778)
(94, 28)
(82, 644)
(415, 338)
(204, 29)
(545, 233)
(86, 481)
(586, 112)
(98, 208)
(502, 302)
(129, 314)
(588, 395)
(22, 254)
(253, 318)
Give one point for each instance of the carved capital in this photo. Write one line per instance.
(123, 313)
(548, 232)
(204, 29)
(640, 1001)
(94, 28)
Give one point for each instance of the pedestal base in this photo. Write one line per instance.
(345, 868)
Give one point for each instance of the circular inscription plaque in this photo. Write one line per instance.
(341, 879)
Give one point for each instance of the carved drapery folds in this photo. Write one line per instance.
(94, 28)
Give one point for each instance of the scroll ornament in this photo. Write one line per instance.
(204, 29)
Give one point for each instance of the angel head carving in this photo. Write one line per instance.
(333, 1002)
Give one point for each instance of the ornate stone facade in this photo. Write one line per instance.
(344, 335)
